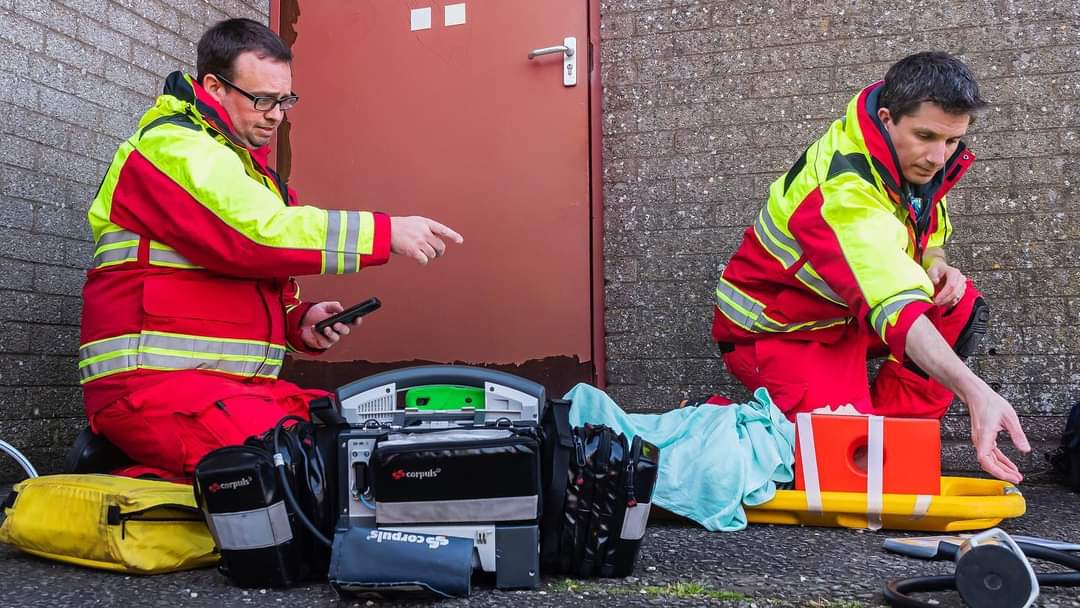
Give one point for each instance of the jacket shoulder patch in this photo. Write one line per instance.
(180, 120)
(795, 170)
(850, 163)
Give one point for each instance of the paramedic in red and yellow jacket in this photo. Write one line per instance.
(846, 261)
(190, 305)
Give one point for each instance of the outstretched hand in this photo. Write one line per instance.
(991, 414)
(420, 238)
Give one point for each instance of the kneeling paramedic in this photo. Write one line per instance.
(190, 305)
(846, 261)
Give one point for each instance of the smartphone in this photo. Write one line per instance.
(349, 314)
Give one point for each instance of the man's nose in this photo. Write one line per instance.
(275, 113)
(936, 153)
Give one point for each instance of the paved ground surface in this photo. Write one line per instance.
(680, 565)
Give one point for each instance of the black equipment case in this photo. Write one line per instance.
(470, 473)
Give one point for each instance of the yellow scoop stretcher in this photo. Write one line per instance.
(965, 503)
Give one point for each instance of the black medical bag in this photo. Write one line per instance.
(596, 521)
(263, 539)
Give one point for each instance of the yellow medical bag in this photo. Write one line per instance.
(104, 521)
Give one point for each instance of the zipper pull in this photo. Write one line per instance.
(631, 499)
(579, 451)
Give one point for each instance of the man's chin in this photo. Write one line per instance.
(920, 179)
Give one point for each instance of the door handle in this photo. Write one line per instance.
(547, 50)
(568, 49)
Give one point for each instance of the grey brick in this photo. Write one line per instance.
(62, 221)
(621, 270)
(21, 31)
(40, 402)
(57, 16)
(38, 370)
(105, 39)
(13, 60)
(782, 84)
(133, 25)
(616, 26)
(155, 12)
(40, 308)
(58, 280)
(156, 62)
(34, 126)
(73, 52)
(32, 186)
(16, 213)
(18, 151)
(180, 49)
(138, 80)
(93, 8)
(55, 340)
(16, 274)
(14, 338)
(67, 107)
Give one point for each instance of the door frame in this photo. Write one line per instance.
(596, 184)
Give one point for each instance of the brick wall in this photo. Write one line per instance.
(705, 103)
(74, 78)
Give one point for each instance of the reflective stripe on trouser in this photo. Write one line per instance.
(165, 351)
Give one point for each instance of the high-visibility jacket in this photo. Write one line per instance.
(197, 240)
(839, 241)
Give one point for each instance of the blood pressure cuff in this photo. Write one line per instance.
(397, 563)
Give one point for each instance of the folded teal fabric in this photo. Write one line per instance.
(713, 458)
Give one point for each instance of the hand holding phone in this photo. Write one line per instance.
(349, 314)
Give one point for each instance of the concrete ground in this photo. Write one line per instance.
(680, 565)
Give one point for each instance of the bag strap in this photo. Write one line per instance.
(556, 424)
(9, 502)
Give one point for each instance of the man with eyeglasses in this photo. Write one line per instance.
(190, 305)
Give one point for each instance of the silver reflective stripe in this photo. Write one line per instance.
(766, 324)
(117, 237)
(111, 345)
(634, 521)
(510, 508)
(205, 345)
(116, 255)
(152, 360)
(818, 285)
(112, 355)
(768, 233)
(333, 234)
(352, 241)
(900, 300)
(170, 352)
(168, 256)
(255, 529)
(737, 307)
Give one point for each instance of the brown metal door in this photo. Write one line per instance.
(452, 121)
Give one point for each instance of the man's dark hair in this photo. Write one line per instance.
(225, 40)
(930, 76)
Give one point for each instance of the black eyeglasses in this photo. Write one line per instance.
(263, 103)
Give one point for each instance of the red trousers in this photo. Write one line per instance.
(172, 420)
(802, 375)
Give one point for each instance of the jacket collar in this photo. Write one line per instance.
(185, 88)
(883, 155)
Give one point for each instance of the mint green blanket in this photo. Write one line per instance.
(713, 459)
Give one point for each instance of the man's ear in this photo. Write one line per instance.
(884, 116)
(215, 87)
